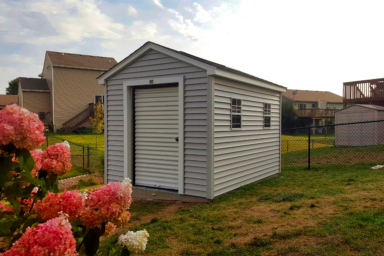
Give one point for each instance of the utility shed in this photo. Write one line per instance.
(364, 134)
(185, 124)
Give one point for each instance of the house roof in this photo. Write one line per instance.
(33, 84)
(8, 99)
(212, 68)
(61, 59)
(313, 96)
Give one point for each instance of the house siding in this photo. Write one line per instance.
(37, 101)
(48, 76)
(74, 89)
(252, 152)
(156, 65)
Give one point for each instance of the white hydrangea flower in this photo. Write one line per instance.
(134, 241)
(66, 143)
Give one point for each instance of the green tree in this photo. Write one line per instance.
(98, 120)
(289, 117)
(13, 87)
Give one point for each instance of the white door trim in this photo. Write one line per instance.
(127, 113)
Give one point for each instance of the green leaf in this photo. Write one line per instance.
(6, 165)
(5, 227)
(91, 243)
(28, 223)
(25, 160)
(15, 238)
(125, 252)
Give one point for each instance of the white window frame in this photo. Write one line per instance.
(267, 113)
(102, 99)
(237, 114)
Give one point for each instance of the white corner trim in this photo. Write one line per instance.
(211, 138)
(141, 51)
(248, 80)
(127, 113)
(106, 140)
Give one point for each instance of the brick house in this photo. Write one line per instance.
(65, 94)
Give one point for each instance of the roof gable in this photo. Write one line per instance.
(38, 84)
(60, 59)
(313, 96)
(212, 68)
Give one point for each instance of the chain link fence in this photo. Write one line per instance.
(85, 157)
(337, 144)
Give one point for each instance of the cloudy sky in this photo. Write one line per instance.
(313, 45)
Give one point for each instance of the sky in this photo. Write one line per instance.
(309, 45)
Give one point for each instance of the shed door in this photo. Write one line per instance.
(156, 130)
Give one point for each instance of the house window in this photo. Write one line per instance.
(302, 106)
(99, 98)
(267, 115)
(313, 105)
(235, 113)
(41, 115)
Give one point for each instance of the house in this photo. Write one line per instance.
(364, 134)
(364, 92)
(314, 107)
(67, 90)
(7, 100)
(178, 122)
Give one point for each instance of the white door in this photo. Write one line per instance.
(156, 130)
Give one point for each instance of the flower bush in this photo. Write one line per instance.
(21, 128)
(39, 220)
(56, 159)
(53, 237)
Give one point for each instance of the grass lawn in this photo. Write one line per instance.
(83, 139)
(290, 143)
(324, 211)
(75, 171)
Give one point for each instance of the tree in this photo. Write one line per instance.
(288, 116)
(13, 87)
(98, 121)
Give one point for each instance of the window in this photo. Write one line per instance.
(235, 113)
(314, 105)
(267, 115)
(41, 115)
(302, 106)
(99, 98)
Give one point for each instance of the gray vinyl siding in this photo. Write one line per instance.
(251, 153)
(155, 65)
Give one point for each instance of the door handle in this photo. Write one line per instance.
(177, 139)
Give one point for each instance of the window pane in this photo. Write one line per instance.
(233, 102)
(267, 121)
(236, 121)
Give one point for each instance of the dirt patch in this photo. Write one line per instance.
(71, 183)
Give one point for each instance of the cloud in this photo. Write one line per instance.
(18, 58)
(109, 45)
(2, 19)
(158, 3)
(201, 14)
(140, 30)
(132, 11)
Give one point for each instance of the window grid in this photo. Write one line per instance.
(235, 113)
(267, 115)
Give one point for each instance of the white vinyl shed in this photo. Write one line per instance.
(178, 122)
(364, 134)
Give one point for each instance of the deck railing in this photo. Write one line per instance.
(316, 112)
(364, 91)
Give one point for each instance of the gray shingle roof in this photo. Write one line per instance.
(33, 84)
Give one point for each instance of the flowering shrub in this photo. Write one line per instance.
(69, 202)
(57, 159)
(37, 219)
(53, 237)
(21, 128)
(134, 241)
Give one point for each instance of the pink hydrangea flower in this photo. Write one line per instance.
(108, 203)
(37, 156)
(110, 228)
(69, 202)
(53, 237)
(21, 128)
(57, 159)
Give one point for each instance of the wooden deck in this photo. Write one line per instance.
(364, 92)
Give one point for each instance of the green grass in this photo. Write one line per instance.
(75, 171)
(324, 211)
(83, 139)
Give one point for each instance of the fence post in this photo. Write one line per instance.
(83, 157)
(88, 157)
(309, 148)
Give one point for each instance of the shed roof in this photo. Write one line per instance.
(62, 59)
(305, 95)
(38, 84)
(8, 99)
(372, 107)
(211, 67)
